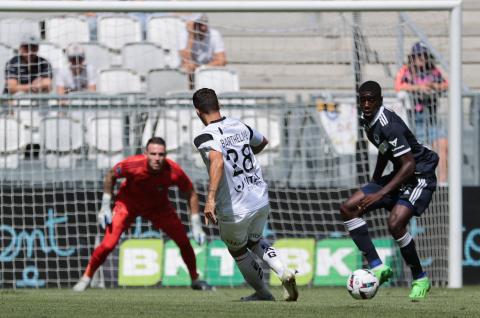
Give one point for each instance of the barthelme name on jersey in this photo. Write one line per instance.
(234, 139)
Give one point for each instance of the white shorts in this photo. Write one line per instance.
(235, 232)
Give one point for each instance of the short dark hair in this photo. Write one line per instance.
(371, 86)
(156, 141)
(206, 101)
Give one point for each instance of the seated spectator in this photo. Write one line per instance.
(201, 45)
(424, 82)
(77, 76)
(27, 72)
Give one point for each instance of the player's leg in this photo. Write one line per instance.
(120, 221)
(234, 234)
(358, 229)
(413, 202)
(173, 227)
(269, 254)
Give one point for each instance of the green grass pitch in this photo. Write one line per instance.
(183, 302)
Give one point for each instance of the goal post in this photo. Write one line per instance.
(453, 7)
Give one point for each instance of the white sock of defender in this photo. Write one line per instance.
(252, 272)
(270, 255)
(404, 240)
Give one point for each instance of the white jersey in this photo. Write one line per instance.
(242, 189)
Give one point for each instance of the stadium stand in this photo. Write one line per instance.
(220, 79)
(164, 31)
(12, 142)
(66, 30)
(118, 81)
(116, 31)
(161, 82)
(105, 140)
(61, 141)
(143, 57)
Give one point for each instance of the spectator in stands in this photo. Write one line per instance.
(424, 82)
(27, 72)
(201, 45)
(77, 76)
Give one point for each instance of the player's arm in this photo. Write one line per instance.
(380, 166)
(196, 224)
(407, 169)
(215, 173)
(260, 147)
(105, 214)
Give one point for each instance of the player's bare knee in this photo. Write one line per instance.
(347, 212)
(395, 228)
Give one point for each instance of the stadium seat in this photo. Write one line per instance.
(61, 141)
(164, 31)
(54, 55)
(220, 79)
(66, 30)
(175, 126)
(161, 82)
(12, 142)
(105, 140)
(97, 55)
(143, 57)
(116, 31)
(12, 30)
(118, 80)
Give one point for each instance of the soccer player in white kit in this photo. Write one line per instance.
(237, 196)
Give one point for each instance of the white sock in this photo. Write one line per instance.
(270, 255)
(252, 272)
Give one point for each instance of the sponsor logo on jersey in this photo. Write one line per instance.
(393, 142)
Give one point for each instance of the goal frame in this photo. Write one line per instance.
(454, 7)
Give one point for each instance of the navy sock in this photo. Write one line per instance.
(410, 255)
(359, 233)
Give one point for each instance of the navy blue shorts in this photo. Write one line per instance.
(415, 194)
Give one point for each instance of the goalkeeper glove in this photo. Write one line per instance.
(105, 215)
(197, 232)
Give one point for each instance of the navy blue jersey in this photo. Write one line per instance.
(26, 73)
(391, 136)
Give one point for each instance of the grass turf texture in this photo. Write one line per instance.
(182, 302)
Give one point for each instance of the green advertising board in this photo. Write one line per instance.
(335, 260)
(140, 262)
(175, 272)
(222, 270)
(298, 254)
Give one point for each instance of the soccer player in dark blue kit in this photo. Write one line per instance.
(406, 191)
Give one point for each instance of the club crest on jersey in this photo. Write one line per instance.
(376, 138)
(393, 142)
(383, 147)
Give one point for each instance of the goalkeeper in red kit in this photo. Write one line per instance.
(145, 193)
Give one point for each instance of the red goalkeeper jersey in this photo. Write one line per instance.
(145, 192)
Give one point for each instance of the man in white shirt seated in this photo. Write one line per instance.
(201, 45)
(77, 76)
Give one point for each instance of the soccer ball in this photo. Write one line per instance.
(362, 284)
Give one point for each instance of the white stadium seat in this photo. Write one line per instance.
(12, 30)
(97, 55)
(66, 30)
(116, 31)
(54, 55)
(164, 31)
(143, 57)
(118, 80)
(220, 79)
(161, 82)
(6, 54)
(105, 140)
(61, 141)
(12, 142)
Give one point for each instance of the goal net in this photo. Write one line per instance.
(291, 75)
